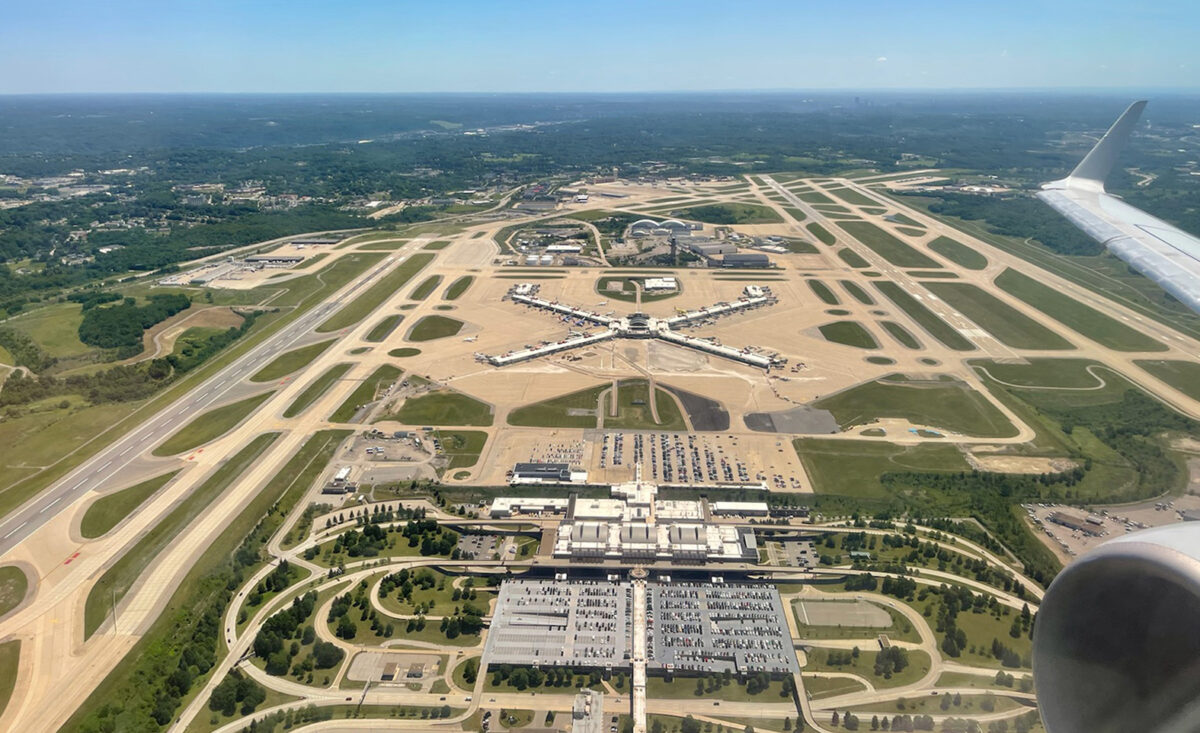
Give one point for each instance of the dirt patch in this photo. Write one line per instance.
(1019, 464)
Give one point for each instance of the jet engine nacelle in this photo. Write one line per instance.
(1116, 645)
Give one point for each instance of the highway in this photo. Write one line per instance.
(96, 472)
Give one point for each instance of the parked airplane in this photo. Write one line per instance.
(1158, 250)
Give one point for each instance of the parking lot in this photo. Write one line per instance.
(1113, 522)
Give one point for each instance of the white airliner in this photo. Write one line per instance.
(1158, 250)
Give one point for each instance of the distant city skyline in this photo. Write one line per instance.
(373, 46)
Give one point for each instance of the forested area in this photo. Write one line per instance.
(121, 326)
(1017, 216)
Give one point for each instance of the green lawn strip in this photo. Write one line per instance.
(905, 220)
(1086, 320)
(290, 361)
(404, 351)
(946, 404)
(821, 233)
(633, 412)
(795, 213)
(852, 258)
(14, 584)
(210, 425)
(108, 511)
(361, 307)
(434, 327)
(853, 468)
(437, 245)
(864, 666)
(901, 334)
(911, 232)
(711, 688)
(886, 245)
(458, 287)
(941, 274)
(834, 209)
(427, 286)
(443, 407)
(958, 253)
(969, 706)
(121, 575)
(731, 214)
(857, 292)
(309, 262)
(555, 412)
(366, 392)
(381, 330)
(820, 687)
(1006, 323)
(963, 679)
(1182, 375)
(850, 333)
(851, 196)
(823, 292)
(814, 197)
(382, 246)
(109, 422)
(317, 388)
(924, 317)
(10, 655)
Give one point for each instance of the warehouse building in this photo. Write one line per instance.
(747, 259)
(546, 473)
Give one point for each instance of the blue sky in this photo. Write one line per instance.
(530, 45)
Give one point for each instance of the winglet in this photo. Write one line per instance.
(1093, 169)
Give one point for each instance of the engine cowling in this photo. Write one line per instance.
(1116, 646)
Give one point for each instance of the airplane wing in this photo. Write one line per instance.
(1156, 249)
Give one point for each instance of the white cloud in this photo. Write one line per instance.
(881, 59)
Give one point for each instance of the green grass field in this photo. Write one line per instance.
(852, 258)
(366, 392)
(1075, 315)
(856, 292)
(384, 287)
(556, 411)
(317, 388)
(107, 511)
(924, 317)
(462, 447)
(958, 253)
(381, 330)
(887, 246)
(444, 407)
(823, 292)
(731, 214)
(210, 425)
(814, 197)
(633, 412)
(795, 213)
(1043, 372)
(906, 220)
(10, 655)
(901, 334)
(290, 361)
(55, 328)
(851, 196)
(1182, 375)
(121, 575)
(850, 333)
(437, 245)
(403, 352)
(821, 233)
(434, 327)
(427, 286)
(683, 688)
(14, 584)
(321, 284)
(820, 687)
(1007, 324)
(458, 287)
(864, 666)
(946, 404)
